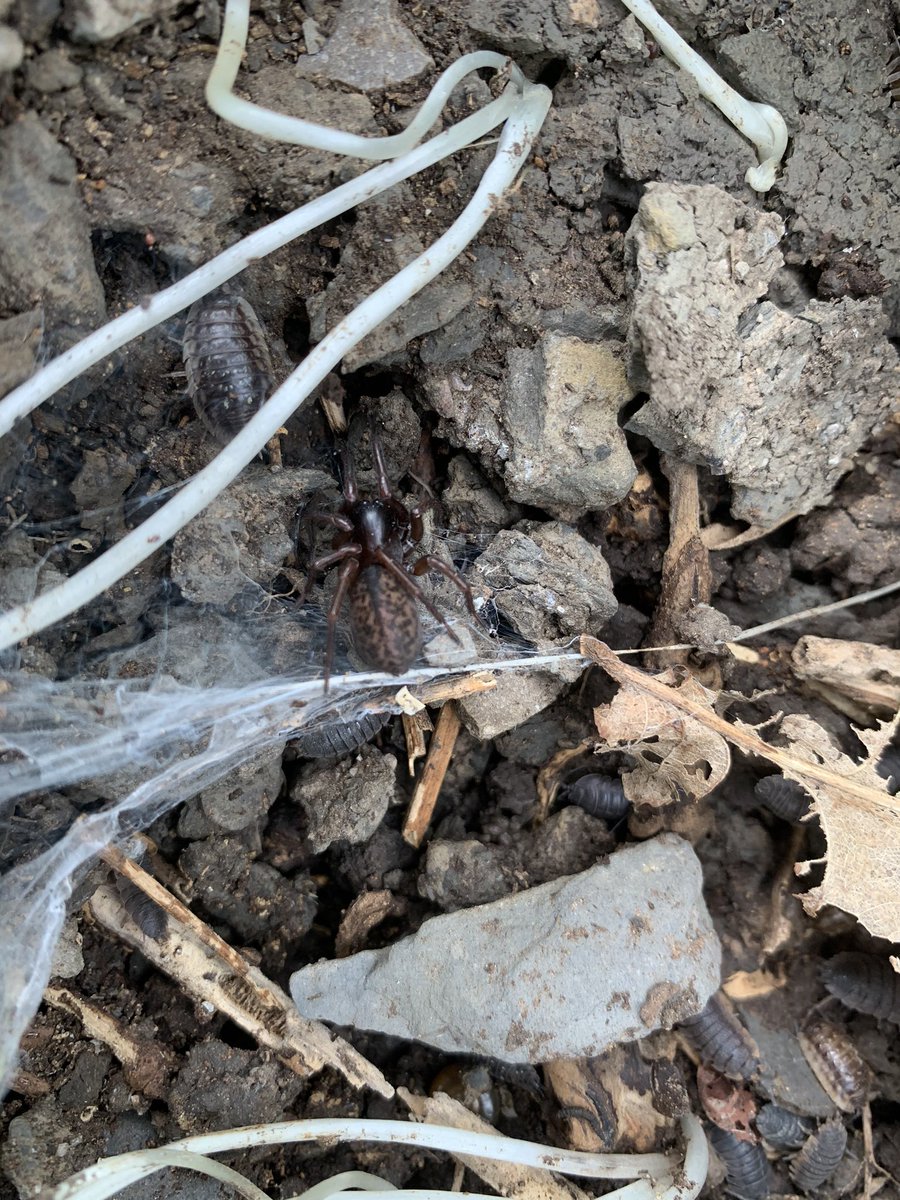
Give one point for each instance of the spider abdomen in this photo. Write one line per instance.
(384, 621)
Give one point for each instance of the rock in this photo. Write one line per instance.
(857, 539)
(561, 971)
(560, 408)
(513, 700)
(370, 49)
(256, 900)
(222, 1083)
(776, 402)
(98, 488)
(534, 28)
(766, 65)
(470, 501)
(68, 961)
(53, 71)
(346, 801)
(103, 20)
(35, 18)
(246, 793)
(244, 535)
(547, 580)
(378, 249)
(12, 49)
(45, 244)
(20, 343)
(459, 874)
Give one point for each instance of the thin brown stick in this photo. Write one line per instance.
(215, 974)
(426, 792)
(147, 1066)
(857, 793)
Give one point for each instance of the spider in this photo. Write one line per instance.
(374, 541)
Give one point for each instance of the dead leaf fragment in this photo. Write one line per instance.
(862, 866)
(728, 1104)
(677, 754)
(867, 674)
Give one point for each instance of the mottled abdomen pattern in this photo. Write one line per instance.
(384, 621)
(229, 370)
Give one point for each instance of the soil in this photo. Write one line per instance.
(113, 137)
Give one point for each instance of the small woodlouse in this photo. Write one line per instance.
(226, 357)
(866, 983)
(339, 738)
(721, 1041)
(783, 1130)
(836, 1063)
(152, 920)
(745, 1164)
(599, 795)
(820, 1157)
(784, 797)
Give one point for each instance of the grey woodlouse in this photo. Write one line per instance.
(820, 1157)
(836, 1063)
(152, 920)
(866, 983)
(784, 797)
(783, 1130)
(599, 795)
(339, 738)
(721, 1041)
(745, 1164)
(227, 361)
(888, 765)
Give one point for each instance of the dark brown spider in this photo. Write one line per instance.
(374, 542)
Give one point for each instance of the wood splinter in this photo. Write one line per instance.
(426, 792)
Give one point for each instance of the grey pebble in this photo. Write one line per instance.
(561, 971)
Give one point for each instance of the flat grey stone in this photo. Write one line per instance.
(561, 971)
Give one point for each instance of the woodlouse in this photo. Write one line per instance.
(745, 1164)
(227, 361)
(152, 920)
(783, 1130)
(339, 738)
(784, 797)
(721, 1041)
(599, 795)
(820, 1157)
(836, 1063)
(866, 983)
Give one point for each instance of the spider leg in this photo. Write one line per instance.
(428, 562)
(351, 495)
(347, 575)
(413, 588)
(328, 560)
(336, 519)
(384, 487)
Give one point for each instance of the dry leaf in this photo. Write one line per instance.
(869, 675)
(728, 1104)
(677, 754)
(862, 866)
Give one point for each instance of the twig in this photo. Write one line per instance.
(426, 791)
(147, 1066)
(213, 972)
(415, 727)
(857, 793)
(686, 576)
